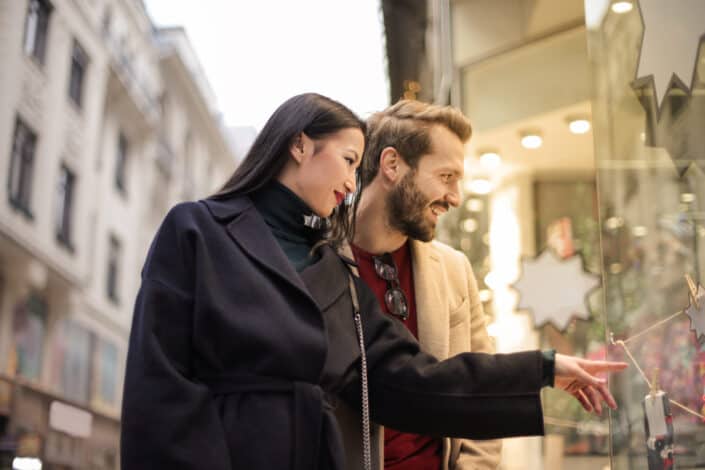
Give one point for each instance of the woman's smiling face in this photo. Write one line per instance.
(326, 168)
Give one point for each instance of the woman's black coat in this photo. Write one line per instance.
(236, 360)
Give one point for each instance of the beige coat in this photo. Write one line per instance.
(450, 321)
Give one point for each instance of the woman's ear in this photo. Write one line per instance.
(300, 146)
(390, 164)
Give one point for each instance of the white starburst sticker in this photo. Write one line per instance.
(697, 314)
(669, 48)
(555, 290)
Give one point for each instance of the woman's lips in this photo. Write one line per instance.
(339, 196)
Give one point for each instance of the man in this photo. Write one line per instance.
(410, 175)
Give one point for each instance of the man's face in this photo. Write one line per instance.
(425, 193)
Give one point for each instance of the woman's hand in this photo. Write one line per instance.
(577, 377)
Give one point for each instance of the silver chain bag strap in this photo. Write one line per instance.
(366, 446)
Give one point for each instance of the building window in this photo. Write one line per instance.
(108, 373)
(36, 29)
(24, 145)
(64, 206)
(72, 352)
(113, 269)
(29, 327)
(79, 62)
(121, 164)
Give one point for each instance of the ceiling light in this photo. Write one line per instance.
(470, 225)
(579, 126)
(485, 295)
(490, 160)
(474, 205)
(613, 223)
(687, 198)
(479, 186)
(531, 140)
(640, 231)
(622, 7)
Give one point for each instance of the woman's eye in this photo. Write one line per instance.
(350, 160)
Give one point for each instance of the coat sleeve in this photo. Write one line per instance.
(471, 395)
(476, 455)
(168, 420)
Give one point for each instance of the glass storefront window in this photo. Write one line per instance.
(649, 121)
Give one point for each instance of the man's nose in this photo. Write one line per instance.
(453, 197)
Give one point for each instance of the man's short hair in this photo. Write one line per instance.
(406, 126)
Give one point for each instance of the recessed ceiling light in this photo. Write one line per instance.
(479, 186)
(687, 198)
(579, 126)
(640, 231)
(490, 160)
(531, 140)
(470, 225)
(474, 205)
(622, 7)
(485, 295)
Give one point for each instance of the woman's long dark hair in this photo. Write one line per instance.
(317, 117)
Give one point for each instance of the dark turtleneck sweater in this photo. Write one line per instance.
(283, 211)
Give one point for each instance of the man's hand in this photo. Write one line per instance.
(577, 377)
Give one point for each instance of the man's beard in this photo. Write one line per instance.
(406, 210)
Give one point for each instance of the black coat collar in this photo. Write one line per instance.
(325, 280)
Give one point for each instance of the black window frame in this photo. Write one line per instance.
(77, 74)
(113, 270)
(65, 197)
(36, 29)
(22, 163)
(121, 163)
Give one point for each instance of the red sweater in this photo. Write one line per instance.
(402, 451)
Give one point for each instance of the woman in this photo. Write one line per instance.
(248, 326)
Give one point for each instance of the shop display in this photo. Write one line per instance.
(658, 425)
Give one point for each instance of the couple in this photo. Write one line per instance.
(265, 339)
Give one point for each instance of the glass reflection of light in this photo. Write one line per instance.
(509, 329)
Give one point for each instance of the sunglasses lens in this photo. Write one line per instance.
(395, 300)
(385, 271)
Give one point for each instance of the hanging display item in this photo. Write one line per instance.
(658, 427)
(672, 34)
(696, 310)
(658, 421)
(555, 290)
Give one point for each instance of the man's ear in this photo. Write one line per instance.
(300, 146)
(391, 165)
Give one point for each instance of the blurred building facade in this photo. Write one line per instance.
(105, 123)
